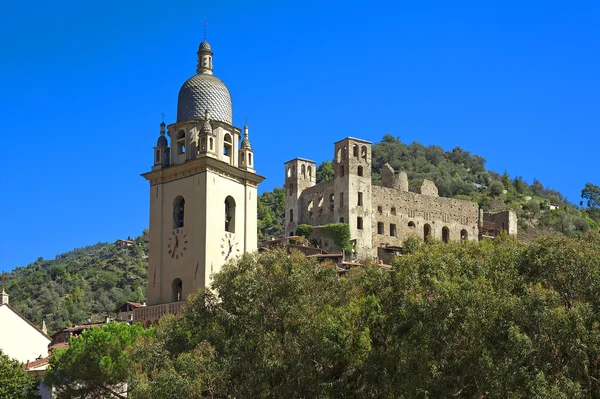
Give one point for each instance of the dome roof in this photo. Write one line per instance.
(162, 142)
(204, 45)
(201, 93)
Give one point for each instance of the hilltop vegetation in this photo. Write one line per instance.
(487, 319)
(86, 283)
(458, 174)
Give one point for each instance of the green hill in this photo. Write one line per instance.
(86, 283)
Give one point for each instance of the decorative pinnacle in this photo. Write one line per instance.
(206, 115)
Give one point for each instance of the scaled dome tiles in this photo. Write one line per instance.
(204, 92)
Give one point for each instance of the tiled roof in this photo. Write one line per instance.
(36, 364)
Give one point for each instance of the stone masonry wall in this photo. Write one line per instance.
(410, 213)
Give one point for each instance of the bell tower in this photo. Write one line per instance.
(203, 193)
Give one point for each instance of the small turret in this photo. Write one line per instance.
(246, 158)
(3, 294)
(204, 58)
(161, 151)
(206, 137)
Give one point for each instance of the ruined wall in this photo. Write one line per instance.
(316, 205)
(429, 188)
(414, 214)
(505, 221)
(324, 241)
(391, 179)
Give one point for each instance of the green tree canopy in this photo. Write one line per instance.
(14, 381)
(591, 193)
(97, 363)
(324, 171)
(494, 319)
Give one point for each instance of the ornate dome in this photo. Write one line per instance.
(202, 93)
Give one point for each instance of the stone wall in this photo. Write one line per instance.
(505, 221)
(316, 205)
(399, 214)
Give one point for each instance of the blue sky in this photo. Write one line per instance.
(84, 85)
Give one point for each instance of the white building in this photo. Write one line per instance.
(19, 338)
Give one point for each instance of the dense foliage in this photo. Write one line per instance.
(458, 174)
(339, 233)
(494, 319)
(87, 283)
(14, 381)
(97, 364)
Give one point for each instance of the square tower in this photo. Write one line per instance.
(300, 174)
(352, 165)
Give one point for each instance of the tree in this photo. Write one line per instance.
(496, 188)
(494, 319)
(97, 363)
(14, 381)
(324, 171)
(591, 193)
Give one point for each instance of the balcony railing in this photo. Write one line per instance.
(155, 312)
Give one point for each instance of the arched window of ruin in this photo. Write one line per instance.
(180, 142)
(411, 225)
(227, 145)
(445, 234)
(464, 235)
(230, 214)
(426, 232)
(339, 155)
(309, 171)
(289, 173)
(355, 150)
(157, 156)
(249, 159)
(211, 144)
(393, 211)
(363, 152)
(176, 290)
(203, 144)
(178, 212)
(360, 171)
(303, 171)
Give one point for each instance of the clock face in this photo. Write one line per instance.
(177, 244)
(229, 246)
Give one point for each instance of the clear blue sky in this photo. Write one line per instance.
(84, 84)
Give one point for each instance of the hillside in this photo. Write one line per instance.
(86, 283)
(457, 174)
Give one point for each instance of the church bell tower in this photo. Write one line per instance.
(203, 190)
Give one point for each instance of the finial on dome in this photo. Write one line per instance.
(204, 58)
